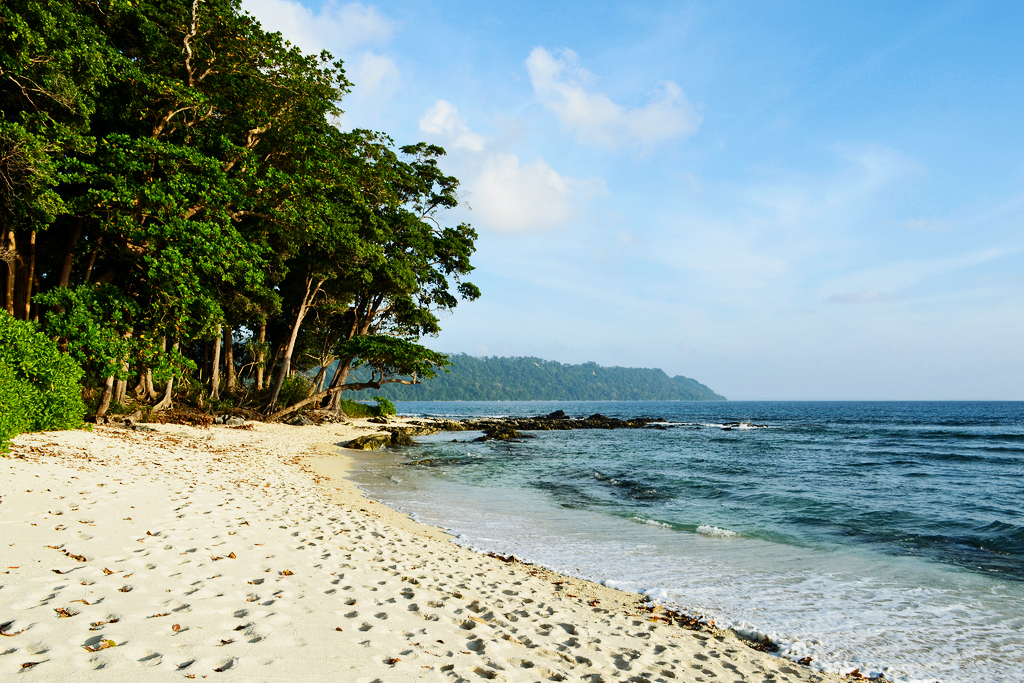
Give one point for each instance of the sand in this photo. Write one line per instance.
(244, 555)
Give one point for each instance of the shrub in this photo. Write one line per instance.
(385, 407)
(356, 409)
(294, 389)
(39, 385)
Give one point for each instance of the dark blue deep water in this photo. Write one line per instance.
(887, 536)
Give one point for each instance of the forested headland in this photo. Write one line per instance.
(182, 216)
(492, 378)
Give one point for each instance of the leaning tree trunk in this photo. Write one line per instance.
(286, 363)
(340, 377)
(215, 374)
(108, 392)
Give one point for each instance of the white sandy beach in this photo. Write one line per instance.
(244, 555)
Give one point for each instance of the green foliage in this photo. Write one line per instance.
(92, 322)
(39, 387)
(295, 388)
(171, 168)
(387, 357)
(533, 379)
(357, 409)
(385, 407)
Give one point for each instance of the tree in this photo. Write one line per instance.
(170, 178)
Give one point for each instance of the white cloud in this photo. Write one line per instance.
(512, 197)
(338, 28)
(444, 120)
(374, 73)
(352, 32)
(561, 85)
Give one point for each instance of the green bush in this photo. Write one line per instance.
(294, 389)
(357, 409)
(39, 385)
(385, 407)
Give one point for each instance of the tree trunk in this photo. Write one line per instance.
(30, 276)
(340, 376)
(215, 370)
(108, 392)
(69, 254)
(122, 384)
(292, 408)
(92, 262)
(11, 259)
(165, 402)
(36, 308)
(318, 383)
(140, 388)
(286, 363)
(150, 389)
(260, 358)
(229, 359)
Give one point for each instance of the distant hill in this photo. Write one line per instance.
(534, 379)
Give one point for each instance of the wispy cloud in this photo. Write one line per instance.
(888, 282)
(510, 196)
(340, 28)
(444, 121)
(563, 87)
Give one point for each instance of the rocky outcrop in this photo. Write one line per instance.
(370, 442)
(497, 428)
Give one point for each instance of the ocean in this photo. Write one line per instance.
(881, 536)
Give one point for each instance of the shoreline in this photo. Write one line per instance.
(248, 555)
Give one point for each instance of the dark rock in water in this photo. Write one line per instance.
(301, 421)
(557, 415)
(401, 437)
(500, 433)
(598, 417)
(370, 442)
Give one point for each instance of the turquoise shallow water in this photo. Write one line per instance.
(884, 536)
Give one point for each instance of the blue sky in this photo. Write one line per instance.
(792, 200)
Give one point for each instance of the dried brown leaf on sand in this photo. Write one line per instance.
(7, 625)
(103, 645)
(64, 613)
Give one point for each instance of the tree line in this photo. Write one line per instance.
(181, 213)
(497, 378)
